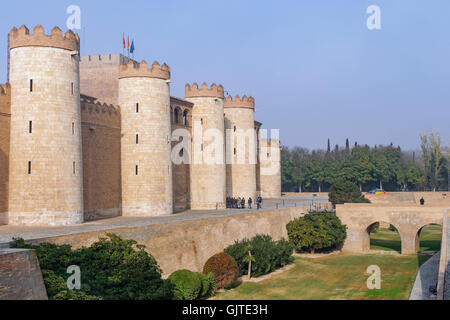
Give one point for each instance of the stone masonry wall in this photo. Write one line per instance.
(46, 174)
(146, 131)
(241, 173)
(270, 168)
(99, 76)
(5, 126)
(20, 276)
(189, 244)
(100, 125)
(208, 179)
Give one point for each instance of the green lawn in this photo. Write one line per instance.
(385, 239)
(337, 277)
(343, 276)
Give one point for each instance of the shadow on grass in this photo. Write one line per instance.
(387, 245)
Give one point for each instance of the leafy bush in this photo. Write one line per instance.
(208, 284)
(268, 255)
(346, 192)
(192, 285)
(318, 231)
(188, 285)
(224, 268)
(112, 269)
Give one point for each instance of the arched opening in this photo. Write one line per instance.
(185, 118)
(171, 115)
(384, 237)
(177, 115)
(428, 239)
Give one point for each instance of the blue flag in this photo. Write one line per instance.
(132, 46)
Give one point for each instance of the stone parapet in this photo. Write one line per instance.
(20, 276)
(245, 102)
(141, 70)
(98, 113)
(22, 38)
(213, 92)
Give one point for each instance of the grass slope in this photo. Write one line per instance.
(343, 276)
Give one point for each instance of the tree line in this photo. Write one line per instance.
(384, 167)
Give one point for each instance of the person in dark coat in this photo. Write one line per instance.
(250, 202)
(242, 203)
(422, 201)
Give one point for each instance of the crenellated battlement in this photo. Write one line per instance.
(22, 38)
(98, 113)
(141, 70)
(5, 98)
(245, 102)
(213, 92)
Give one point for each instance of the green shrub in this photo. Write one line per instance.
(268, 255)
(74, 295)
(111, 268)
(346, 192)
(188, 285)
(224, 268)
(208, 284)
(318, 231)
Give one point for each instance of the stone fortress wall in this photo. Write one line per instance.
(5, 125)
(270, 168)
(144, 97)
(71, 142)
(45, 167)
(208, 176)
(100, 127)
(241, 148)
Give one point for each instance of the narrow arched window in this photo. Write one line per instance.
(185, 118)
(177, 115)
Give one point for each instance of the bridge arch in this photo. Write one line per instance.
(408, 219)
(417, 245)
(370, 228)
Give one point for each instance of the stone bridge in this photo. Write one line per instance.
(409, 219)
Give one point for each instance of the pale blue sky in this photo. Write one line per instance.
(314, 68)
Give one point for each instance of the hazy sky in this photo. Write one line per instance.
(315, 69)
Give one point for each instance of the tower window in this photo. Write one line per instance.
(137, 170)
(30, 128)
(137, 107)
(31, 85)
(235, 128)
(234, 151)
(73, 128)
(72, 88)
(202, 146)
(73, 167)
(29, 167)
(201, 121)
(137, 139)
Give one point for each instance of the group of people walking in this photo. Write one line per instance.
(240, 203)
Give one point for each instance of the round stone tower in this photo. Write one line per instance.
(208, 172)
(144, 99)
(240, 147)
(270, 168)
(46, 177)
